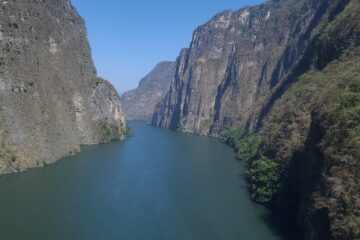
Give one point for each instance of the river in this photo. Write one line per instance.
(159, 184)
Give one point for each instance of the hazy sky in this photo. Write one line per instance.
(129, 37)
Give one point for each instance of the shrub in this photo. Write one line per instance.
(263, 174)
(109, 132)
(129, 132)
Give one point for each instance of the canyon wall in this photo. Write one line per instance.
(238, 61)
(51, 100)
(285, 75)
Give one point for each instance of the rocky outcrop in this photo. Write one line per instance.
(139, 104)
(51, 101)
(239, 62)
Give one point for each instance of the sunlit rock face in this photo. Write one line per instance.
(236, 64)
(51, 100)
(288, 71)
(139, 104)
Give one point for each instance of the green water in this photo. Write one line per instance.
(158, 185)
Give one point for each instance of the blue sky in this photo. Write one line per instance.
(129, 37)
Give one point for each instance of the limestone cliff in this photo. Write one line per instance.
(51, 101)
(238, 63)
(139, 104)
(288, 72)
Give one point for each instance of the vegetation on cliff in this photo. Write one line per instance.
(317, 122)
(311, 139)
(305, 160)
(129, 132)
(263, 173)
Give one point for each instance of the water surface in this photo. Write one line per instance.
(158, 185)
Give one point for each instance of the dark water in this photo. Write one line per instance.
(157, 185)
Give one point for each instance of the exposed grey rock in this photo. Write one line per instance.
(51, 101)
(236, 62)
(139, 104)
(266, 67)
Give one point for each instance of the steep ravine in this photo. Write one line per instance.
(51, 100)
(285, 75)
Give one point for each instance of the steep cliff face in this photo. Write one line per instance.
(313, 133)
(139, 104)
(288, 73)
(237, 62)
(51, 100)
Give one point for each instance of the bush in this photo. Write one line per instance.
(264, 176)
(129, 132)
(109, 132)
(263, 173)
(232, 137)
(246, 146)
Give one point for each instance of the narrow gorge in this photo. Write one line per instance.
(52, 101)
(275, 86)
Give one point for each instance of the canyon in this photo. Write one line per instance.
(279, 82)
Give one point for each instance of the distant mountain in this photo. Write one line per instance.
(139, 104)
